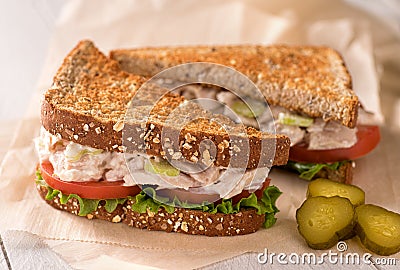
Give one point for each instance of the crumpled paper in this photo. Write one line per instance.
(122, 24)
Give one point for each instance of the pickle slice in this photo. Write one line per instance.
(323, 221)
(378, 229)
(329, 188)
(348, 236)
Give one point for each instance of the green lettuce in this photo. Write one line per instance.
(147, 199)
(86, 206)
(309, 170)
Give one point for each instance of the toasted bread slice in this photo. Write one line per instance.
(306, 79)
(89, 98)
(182, 220)
(344, 174)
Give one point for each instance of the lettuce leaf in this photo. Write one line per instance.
(147, 199)
(309, 170)
(111, 204)
(143, 202)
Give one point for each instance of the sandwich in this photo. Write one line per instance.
(308, 89)
(107, 147)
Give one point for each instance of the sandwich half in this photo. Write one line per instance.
(97, 162)
(308, 89)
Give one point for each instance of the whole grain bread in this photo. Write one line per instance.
(181, 220)
(344, 174)
(307, 79)
(89, 98)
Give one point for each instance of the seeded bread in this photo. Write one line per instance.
(344, 174)
(306, 79)
(88, 101)
(181, 220)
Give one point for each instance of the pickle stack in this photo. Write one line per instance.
(335, 211)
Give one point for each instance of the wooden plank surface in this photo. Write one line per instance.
(4, 260)
(23, 250)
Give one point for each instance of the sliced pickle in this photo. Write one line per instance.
(256, 108)
(329, 188)
(161, 167)
(323, 221)
(348, 236)
(378, 229)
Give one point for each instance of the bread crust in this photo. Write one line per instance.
(344, 174)
(181, 220)
(307, 79)
(77, 108)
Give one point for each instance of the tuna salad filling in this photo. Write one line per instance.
(317, 133)
(74, 162)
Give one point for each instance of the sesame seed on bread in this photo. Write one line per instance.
(344, 174)
(307, 79)
(90, 96)
(181, 220)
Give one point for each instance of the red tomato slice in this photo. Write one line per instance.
(88, 190)
(190, 197)
(367, 139)
(245, 193)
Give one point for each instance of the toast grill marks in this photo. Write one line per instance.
(310, 80)
(88, 101)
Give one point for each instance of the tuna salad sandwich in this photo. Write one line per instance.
(308, 89)
(105, 156)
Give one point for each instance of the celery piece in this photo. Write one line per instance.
(294, 120)
(161, 167)
(252, 110)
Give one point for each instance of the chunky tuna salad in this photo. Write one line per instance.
(317, 133)
(74, 162)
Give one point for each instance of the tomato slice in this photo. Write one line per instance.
(367, 139)
(88, 190)
(246, 193)
(190, 197)
(115, 189)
